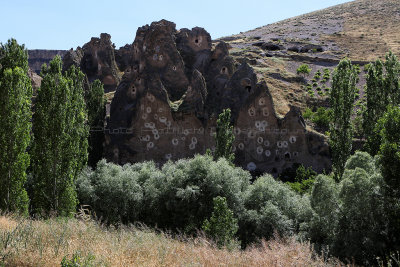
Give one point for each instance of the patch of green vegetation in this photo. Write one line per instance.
(307, 114)
(303, 69)
(174, 105)
(317, 75)
(327, 74)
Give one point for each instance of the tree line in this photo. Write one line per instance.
(47, 138)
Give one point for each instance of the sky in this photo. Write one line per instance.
(65, 24)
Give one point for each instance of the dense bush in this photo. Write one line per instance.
(272, 206)
(346, 219)
(350, 219)
(179, 196)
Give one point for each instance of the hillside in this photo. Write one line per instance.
(362, 30)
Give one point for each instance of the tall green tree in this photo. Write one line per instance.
(390, 149)
(382, 89)
(222, 226)
(60, 139)
(95, 103)
(392, 78)
(15, 118)
(224, 137)
(390, 167)
(342, 101)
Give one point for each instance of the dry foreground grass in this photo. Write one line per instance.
(27, 242)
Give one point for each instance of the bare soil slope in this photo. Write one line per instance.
(362, 30)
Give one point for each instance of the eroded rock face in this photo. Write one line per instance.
(175, 85)
(97, 60)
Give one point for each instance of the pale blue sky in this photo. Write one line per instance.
(51, 24)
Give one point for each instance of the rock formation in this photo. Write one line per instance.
(175, 84)
(38, 57)
(97, 60)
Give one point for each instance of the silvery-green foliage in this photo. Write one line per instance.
(177, 196)
(188, 186)
(362, 222)
(324, 201)
(349, 217)
(112, 191)
(273, 206)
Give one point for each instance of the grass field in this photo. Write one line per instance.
(26, 242)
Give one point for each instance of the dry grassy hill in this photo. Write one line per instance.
(362, 30)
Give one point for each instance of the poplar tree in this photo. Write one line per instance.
(224, 137)
(95, 103)
(15, 119)
(382, 89)
(342, 102)
(60, 139)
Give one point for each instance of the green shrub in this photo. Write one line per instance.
(327, 74)
(179, 196)
(317, 75)
(350, 219)
(307, 114)
(304, 180)
(222, 226)
(272, 206)
(322, 117)
(114, 192)
(304, 69)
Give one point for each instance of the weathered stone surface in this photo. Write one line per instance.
(173, 88)
(311, 48)
(271, 47)
(38, 57)
(36, 80)
(97, 60)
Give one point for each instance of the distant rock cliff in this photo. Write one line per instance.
(38, 57)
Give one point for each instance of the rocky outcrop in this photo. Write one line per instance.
(36, 80)
(97, 60)
(38, 57)
(174, 86)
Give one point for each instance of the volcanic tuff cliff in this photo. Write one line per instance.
(174, 86)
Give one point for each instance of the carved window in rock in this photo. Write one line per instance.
(251, 166)
(252, 111)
